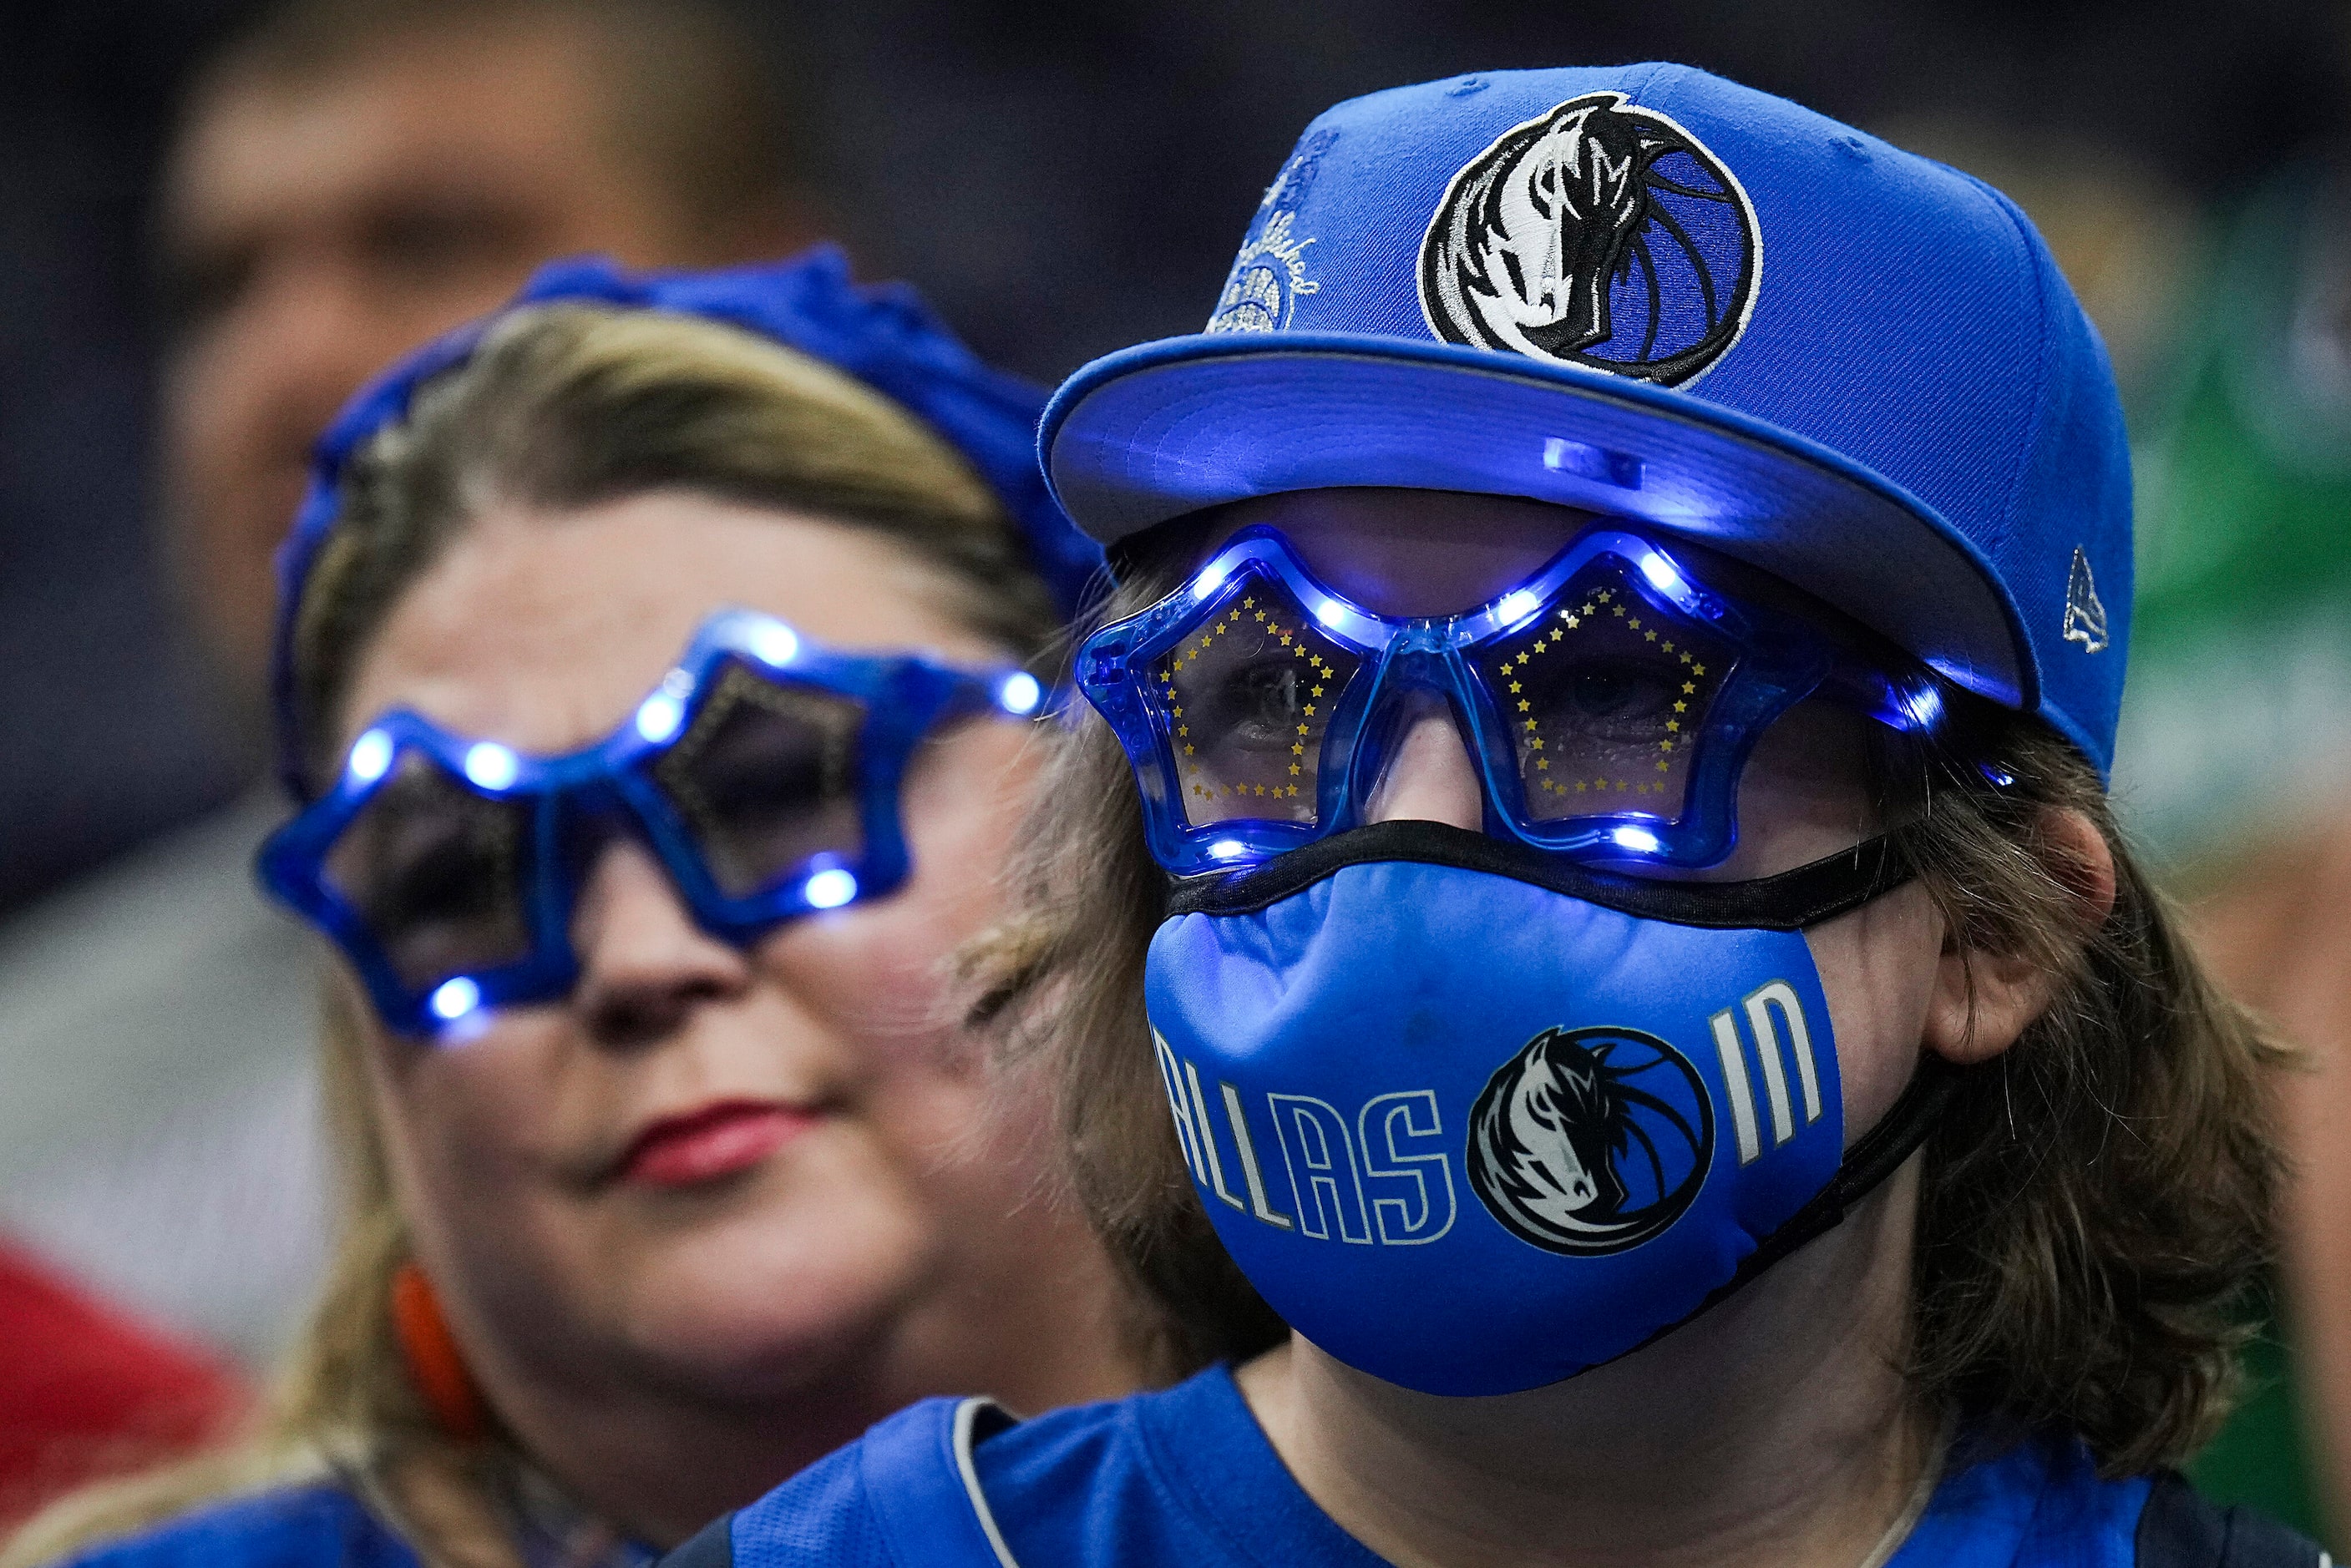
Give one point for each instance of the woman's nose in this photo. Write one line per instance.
(1429, 776)
(644, 965)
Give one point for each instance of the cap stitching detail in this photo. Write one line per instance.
(2005, 516)
(1634, 89)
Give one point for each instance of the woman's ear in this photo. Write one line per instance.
(1984, 1001)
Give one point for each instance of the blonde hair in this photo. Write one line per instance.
(341, 1404)
(561, 407)
(568, 405)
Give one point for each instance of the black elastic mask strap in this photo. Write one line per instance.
(1877, 1154)
(1790, 901)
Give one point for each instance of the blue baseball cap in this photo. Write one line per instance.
(1655, 293)
(884, 335)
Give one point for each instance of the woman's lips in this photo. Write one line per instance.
(715, 1141)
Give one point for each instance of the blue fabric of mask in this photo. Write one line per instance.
(1474, 1136)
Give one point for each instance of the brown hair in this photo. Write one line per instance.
(711, 118)
(561, 406)
(2094, 1203)
(2098, 1203)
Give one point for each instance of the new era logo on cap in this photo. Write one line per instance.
(2085, 614)
(1650, 292)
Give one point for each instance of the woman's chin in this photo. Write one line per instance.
(762, 1300)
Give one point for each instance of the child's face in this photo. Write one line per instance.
(1805, 793)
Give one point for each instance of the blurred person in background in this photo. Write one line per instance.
(349, 177)
(671, 1160)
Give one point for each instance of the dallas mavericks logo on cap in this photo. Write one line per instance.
(1590, 1141)
(1600, 234)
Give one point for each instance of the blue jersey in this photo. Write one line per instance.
(1185, 1478)
(324, 1526)
(296, 1526)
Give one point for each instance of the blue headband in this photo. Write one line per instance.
(885, 336)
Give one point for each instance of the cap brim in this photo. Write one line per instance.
(1168, 428)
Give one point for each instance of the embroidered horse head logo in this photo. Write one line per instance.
(1600, 235)
(1590, 1141)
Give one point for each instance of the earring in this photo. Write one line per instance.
(435, 1364)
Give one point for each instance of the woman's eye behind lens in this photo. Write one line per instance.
(766, 780)
(436, 874)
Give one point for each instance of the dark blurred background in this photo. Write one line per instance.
(1062, 178)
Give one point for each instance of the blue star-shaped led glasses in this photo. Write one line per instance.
(1609, 702)
(764, 771)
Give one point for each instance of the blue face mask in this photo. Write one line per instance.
(1474, 1119)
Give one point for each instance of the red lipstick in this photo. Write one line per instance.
(716, 1140)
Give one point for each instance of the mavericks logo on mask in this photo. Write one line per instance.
(1590, 1141)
